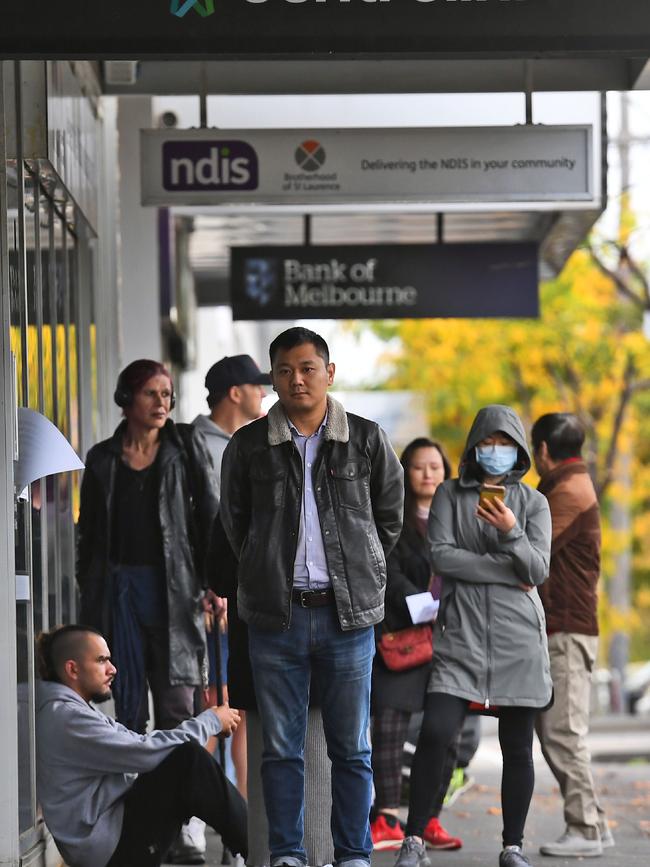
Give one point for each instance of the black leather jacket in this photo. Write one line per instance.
(359, 490)
(188, 504)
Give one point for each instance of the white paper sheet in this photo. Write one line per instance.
(422, 607)
(42, 449)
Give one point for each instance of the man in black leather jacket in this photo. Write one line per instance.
(312, 501)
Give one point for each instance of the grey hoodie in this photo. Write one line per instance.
(217, 440)
(85, 764)
(490, 636)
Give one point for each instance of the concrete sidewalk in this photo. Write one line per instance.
(624, 786)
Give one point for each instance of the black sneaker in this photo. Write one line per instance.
(512, 856)
(412, 854)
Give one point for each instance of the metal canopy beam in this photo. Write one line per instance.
(309, 77)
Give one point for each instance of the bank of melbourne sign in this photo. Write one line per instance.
(384, 281)
(504, 165)
(238, 29)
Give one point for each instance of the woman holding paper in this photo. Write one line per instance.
(411, 597)
(490, 635)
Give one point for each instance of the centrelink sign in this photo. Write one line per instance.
(514, 166)
(214, 29)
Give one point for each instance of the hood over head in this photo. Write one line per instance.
(489, 420)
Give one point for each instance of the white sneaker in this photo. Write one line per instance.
(606, 837)
(191, 845)
(572, 846)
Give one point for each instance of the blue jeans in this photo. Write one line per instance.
(341, 662)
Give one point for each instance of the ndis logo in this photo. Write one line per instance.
(180, 8)
(209, 166)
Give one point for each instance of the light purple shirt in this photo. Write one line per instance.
(310, 570)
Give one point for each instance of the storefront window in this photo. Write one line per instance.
(49, 288)
(45, 332)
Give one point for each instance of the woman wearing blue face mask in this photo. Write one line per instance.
(490, 635)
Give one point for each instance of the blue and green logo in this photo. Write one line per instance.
(180, 8)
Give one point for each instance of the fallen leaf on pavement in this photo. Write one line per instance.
(640, 802)
(494, 811)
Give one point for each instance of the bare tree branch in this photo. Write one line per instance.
(640, 385)
(635, 268)
(616, 278)
(625, 396)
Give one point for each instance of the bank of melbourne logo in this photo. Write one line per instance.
(310, 155)
(260, 280)
(180, 8)
(209, 166)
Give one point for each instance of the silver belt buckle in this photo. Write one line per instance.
(303, 598)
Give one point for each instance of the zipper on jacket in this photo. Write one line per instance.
(489, 646)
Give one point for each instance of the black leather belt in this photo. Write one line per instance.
(312, 598)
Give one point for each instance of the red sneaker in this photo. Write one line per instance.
(386, 832)
(436, 837)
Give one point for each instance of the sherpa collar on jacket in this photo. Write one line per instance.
(336, 428)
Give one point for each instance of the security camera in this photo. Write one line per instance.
(168, 119)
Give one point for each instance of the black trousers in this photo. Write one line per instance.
(443, 717)
(187, 783)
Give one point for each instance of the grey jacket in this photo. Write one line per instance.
(86, 762)
(490, 636)
(216, 440)
(359, 488)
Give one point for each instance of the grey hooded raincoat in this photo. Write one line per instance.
(490, 636)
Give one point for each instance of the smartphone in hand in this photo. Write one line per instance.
(492, 492)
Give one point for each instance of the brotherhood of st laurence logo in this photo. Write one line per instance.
(310, 155)
(180, 8)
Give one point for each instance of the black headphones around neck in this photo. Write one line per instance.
(123, 395)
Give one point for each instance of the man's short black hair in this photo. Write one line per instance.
(215, 399)
(563, 433)
(56, 647)
(298, 336)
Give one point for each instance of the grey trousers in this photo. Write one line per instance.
(563, 730)
(318, 794)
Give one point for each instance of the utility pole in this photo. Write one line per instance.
(619, 590)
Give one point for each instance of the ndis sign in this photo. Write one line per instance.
(210, 165)
(526, 166)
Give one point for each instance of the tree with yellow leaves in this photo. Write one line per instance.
(585, 354)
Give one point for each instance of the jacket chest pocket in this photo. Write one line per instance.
(352, 484)
(267, 486)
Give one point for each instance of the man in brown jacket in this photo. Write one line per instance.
(569, 597)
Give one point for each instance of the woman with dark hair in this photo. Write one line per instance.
(490, 540)
(148, 502)
(396, 695)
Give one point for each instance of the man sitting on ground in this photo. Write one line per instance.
(111, 797)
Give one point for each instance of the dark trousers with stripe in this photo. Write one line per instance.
(187, 783)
